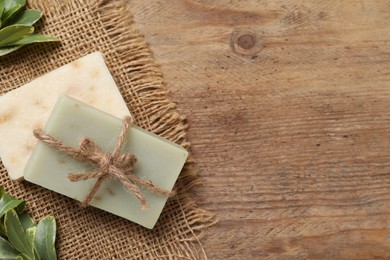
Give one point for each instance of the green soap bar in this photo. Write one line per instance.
(158, 160)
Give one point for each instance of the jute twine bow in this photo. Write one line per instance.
(109, 164)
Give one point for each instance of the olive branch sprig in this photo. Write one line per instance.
(16, 26)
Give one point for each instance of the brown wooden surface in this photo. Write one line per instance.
(289, 108)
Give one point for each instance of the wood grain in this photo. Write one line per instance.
(288, 103)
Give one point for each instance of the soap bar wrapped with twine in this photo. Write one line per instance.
(109, 164)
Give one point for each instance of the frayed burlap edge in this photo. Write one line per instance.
(160, 110)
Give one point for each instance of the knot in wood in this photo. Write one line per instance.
(245, 41)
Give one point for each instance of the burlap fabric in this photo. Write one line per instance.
(90, 233)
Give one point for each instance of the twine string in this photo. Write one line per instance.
(109, 164)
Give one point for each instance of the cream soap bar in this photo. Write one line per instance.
(158, 160)
(28, 107)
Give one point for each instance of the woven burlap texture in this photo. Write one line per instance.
(90, 233)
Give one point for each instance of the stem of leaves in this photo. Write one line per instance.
(20, 236)
(16, 26)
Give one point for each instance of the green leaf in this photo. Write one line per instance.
(26, 221)
(11, 8)
(7, 202)
(45, 238)
(7, 251)
(16, 234)
(7, 50)
(35, 38)
(9, 4)
(30, 235)
(28, 17)
(1, 9)
(2, 230)
(14, 33)
(19, 208)
(30, 228)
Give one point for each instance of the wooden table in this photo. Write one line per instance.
(289, 106)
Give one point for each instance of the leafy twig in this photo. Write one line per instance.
(16, 28)
(20, 236)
